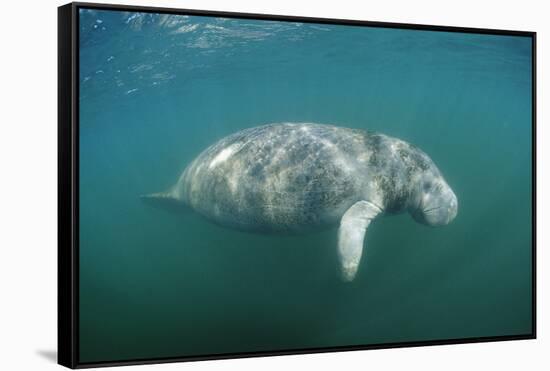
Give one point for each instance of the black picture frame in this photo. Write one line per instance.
(68, 182)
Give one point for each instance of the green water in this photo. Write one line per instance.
(155, 91)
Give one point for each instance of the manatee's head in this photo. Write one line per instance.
(436, 202)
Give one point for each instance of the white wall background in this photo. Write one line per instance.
(28, 152)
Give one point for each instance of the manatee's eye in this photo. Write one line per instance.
(427, 186)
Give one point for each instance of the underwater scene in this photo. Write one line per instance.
(257, 186)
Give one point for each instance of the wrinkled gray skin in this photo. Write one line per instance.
(294, 178)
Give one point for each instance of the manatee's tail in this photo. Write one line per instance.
(164, 200)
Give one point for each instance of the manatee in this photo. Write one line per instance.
(303, 177)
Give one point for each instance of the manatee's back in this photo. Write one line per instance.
(280, 177)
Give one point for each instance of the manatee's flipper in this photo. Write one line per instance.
(351, 234)
(165, 200)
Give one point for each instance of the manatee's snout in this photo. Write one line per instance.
(453, 208)
(439, 206)
(444, 213)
